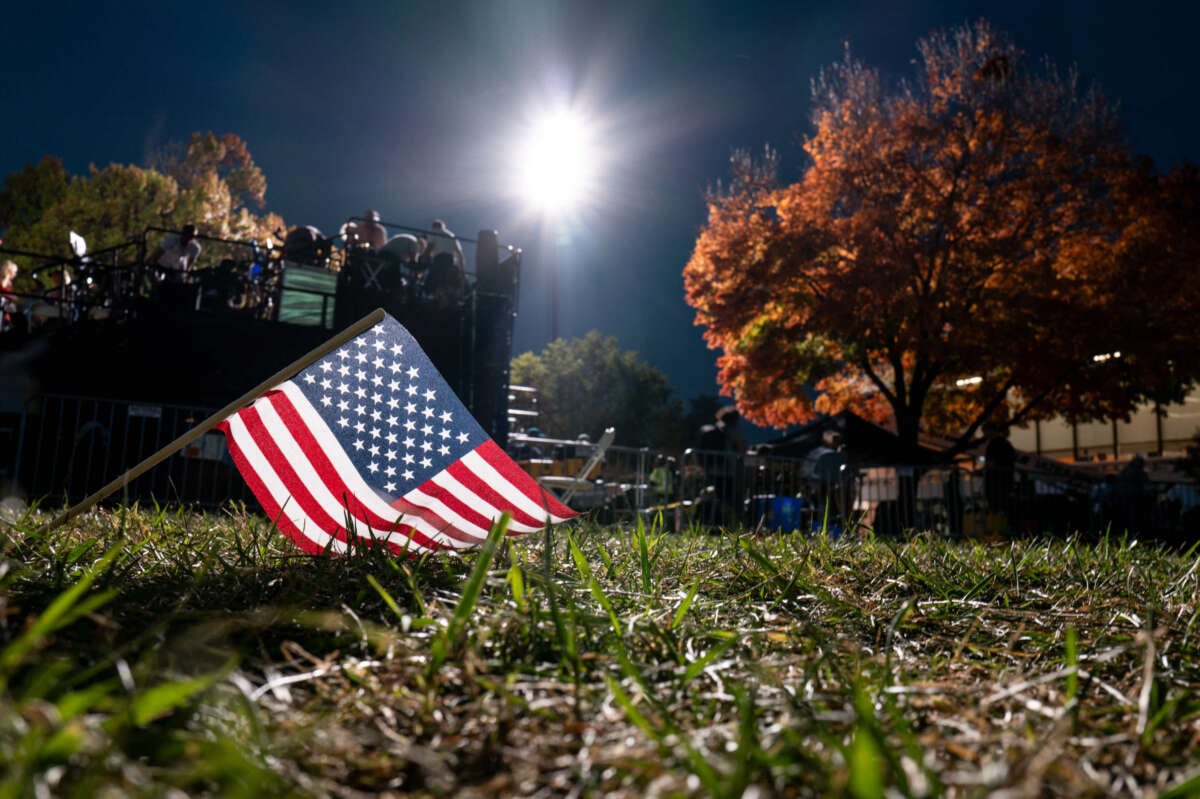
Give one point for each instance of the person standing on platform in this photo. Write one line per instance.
(442, 240)
(371, 234)
(176, 254)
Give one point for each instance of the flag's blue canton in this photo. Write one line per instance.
(394, 415)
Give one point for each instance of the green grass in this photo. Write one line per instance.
(145, 651)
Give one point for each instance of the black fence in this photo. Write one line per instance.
(61, 449)
(824, 493)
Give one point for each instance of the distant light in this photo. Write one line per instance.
(556, 161)
(1107, 356)
(963, 382)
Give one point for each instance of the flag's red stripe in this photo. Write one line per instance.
(333, 480)
(297, 533)
(459, 471)
(266, 498)
(321, 465)
(293, 417)
(451, 501)
(286, 473)
(522, 480)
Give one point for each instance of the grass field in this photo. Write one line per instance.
(152, 653)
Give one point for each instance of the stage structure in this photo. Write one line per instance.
(103, 356)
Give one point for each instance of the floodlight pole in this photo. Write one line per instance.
(553, 282)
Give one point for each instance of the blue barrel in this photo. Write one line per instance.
(785, 514)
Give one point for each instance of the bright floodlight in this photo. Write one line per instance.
(556, 162)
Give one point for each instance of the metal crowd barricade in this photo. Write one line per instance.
(70, 447)
(60, 449)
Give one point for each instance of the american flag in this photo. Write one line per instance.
(370, 444)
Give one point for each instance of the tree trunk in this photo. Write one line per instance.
(907, 429)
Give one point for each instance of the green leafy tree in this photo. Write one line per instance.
(588, 384)
(27, 194)
(213, 182)
(108, 207)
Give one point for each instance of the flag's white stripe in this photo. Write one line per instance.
(327, 440)
(329, 523)
(494, 480)
(266, 473)
(473, 501)
(435, 506)
(332, 504)
(329, 443)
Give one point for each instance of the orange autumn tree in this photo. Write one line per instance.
(947, 258)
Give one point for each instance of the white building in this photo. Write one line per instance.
(1167, 434)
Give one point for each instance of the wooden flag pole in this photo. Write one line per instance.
(356, 329)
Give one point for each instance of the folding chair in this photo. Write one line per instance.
(598, 451)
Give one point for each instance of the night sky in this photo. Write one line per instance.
(411, 108)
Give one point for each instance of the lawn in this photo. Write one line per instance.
(171, 653)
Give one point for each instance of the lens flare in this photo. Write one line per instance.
(556, 166)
